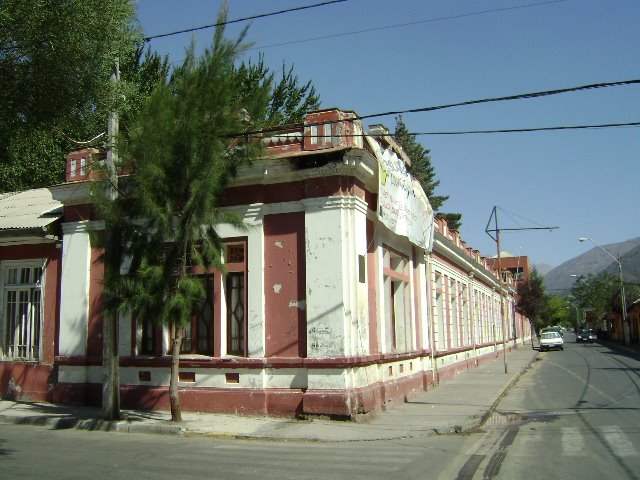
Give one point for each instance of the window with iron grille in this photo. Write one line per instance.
(21, 321)
(225, 295)
(198, 334)
(146, 337)
(236, 299)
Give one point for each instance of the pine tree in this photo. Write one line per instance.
(422, 169)
(289, 101)
(182, 152)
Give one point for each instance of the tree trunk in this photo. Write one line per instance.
(174, 396)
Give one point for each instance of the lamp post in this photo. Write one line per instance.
(625, 320)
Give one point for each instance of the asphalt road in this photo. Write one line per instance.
(575, 414)
(38, 453)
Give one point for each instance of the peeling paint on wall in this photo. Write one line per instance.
(277, 287)
(13, 388)
(301, 304)
(278, 244)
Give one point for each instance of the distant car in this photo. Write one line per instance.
(585, 336)
(551, 341)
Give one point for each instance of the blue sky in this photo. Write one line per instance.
(585, 182)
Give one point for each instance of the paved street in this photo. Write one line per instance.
(574, 414)
(35, 452)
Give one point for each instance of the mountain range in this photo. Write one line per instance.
(595, 261)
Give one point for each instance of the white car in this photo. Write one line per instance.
(551, 341)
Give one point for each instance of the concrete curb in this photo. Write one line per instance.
(92, 424)
(635, 351)
(61, 420)
(158, 429)
(60, 423)
(505, 390)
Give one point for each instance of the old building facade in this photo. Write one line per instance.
(343, 295)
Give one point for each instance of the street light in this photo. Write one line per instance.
(625, 320)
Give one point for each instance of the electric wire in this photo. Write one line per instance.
(539, 129)
(511, 214)
(522, 96)
(400, 25)
(237, 20)
(470, 132)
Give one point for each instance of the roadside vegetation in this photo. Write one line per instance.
(592, 296)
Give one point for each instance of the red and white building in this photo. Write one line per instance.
(343, 296)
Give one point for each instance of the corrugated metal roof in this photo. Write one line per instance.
(29, 209)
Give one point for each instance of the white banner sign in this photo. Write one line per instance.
(403, 206)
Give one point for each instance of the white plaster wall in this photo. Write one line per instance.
(74, 297)
(355, 246)
(330, 378)
(286, 378)
(205, 377)
(327, 312)
(455, 358)
(79, 374)
(364, 376)
(159, 376)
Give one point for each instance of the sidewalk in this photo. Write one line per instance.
(453, 406)
(633, 349)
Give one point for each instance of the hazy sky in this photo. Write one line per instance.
(418, 53)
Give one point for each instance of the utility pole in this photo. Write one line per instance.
(500, 283)
(496, 231)
(110, 357)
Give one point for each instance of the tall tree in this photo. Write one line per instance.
(422, 169)
(555, 311)
(599, 293)
(289, 101)
(182, 150)
(531, 298)
(55, 61)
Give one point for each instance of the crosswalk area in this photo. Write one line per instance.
(622, 442)
(293, 460)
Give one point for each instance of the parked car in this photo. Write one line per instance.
(552, 329)
(551, 341)
(585, 336)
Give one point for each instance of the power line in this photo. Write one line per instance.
(468, 132)
(521, 96)
(408, 24)
(541, 129)
(237, 20)
(388, 27)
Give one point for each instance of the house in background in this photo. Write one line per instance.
(344, 296)
(30, 241)
(517, 266)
